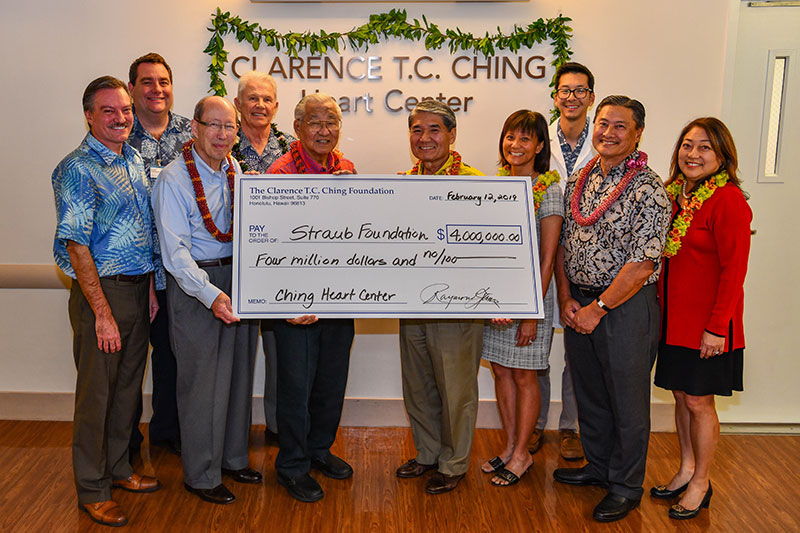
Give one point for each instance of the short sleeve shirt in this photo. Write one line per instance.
(277, 145)
(632, 230)
(102, 202)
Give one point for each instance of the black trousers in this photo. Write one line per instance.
(611, 372)
(313, 362)
(164, 422)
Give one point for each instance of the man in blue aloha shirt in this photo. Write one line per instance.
(104, 241)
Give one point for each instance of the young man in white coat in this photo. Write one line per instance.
(570, 149)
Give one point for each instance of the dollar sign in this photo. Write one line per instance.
(440, 233)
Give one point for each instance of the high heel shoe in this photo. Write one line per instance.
(679, 512)
(663, 493)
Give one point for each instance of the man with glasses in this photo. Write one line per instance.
(215, 352)
(260, 144)
(158, 134)
(313, 355)
(570, 150)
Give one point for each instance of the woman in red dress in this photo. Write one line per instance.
(702, 299)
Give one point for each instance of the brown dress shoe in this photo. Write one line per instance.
(571, 448)
(413, 469)
(535, 444)
(107, 513)
(440, 483)
(137, 483)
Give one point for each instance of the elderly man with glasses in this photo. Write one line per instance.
(313, 356)
(215, 352)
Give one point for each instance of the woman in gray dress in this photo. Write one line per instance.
(518, 349)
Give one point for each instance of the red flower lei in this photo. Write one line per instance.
(297, 157)
(454, 169)
(634, 166)
(200, 194)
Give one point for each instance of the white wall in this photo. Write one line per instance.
(51, 49)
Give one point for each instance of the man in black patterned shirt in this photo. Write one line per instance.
(615, 226)
(260, 144)
(158, 134)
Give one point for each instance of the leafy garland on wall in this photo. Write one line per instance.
(384, 25)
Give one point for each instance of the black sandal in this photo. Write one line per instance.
(509, 477)
(496, 463)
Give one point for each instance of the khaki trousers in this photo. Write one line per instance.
(440, 361)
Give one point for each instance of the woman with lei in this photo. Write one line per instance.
(702, 299)
(518, 349)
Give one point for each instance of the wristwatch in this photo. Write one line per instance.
(602, 305)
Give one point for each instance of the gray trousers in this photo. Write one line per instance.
(611, 369)
(569, 405)
(215, 383)
(440, 361)
(108, 388)
(270, 375)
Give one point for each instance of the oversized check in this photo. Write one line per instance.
(385, 246)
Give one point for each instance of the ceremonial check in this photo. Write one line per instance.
(385, 246)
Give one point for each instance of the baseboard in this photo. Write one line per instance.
(357, 412)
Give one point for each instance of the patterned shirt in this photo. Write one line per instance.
(102, 202)
(286, 165)
(632, 230)
(570, 155)
(277, 145)
(157, 154)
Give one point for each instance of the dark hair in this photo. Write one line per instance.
(573, 68)
(529, 123)
(152, 57)
(103, 82)
(429, 105)
(628, 103)
(721, 142)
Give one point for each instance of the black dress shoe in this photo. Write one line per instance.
(614, 507)
(413, 469)
(440, 483)
(171, 445)
(243, 475)
(333, 467)
(679, 512)
(577, 476)
(304, 488)
(663, 493)
(219, 494)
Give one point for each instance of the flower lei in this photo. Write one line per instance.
(336, 162)
(279, 135)
(200, 194)
(684, 219)
(543, 181)
(634, 166)
(454, 169)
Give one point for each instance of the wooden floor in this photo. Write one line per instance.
(756, 488)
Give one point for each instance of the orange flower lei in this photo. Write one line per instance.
(454, 169)
(200, 194)
(684, 219)
(543, 181)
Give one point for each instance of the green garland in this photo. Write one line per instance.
(384, 25)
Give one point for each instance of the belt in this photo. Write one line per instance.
(215, 262)
(590, 292)
(126, 277)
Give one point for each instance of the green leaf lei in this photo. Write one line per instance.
(383, 25)
(543, 181)
(684, 219)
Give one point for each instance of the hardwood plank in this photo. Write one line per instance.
(755, 490)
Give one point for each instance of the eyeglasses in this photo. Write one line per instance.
(580, 93)
(216, 126)
(315, 126)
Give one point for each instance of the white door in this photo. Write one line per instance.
(764, 117)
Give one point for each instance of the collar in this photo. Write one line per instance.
(442, 170)
(312, 165)
(563, 140)
(137, 125)
(202, 166)
(621, 168)
(106, 154)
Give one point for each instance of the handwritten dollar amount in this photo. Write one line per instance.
(476, 234)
